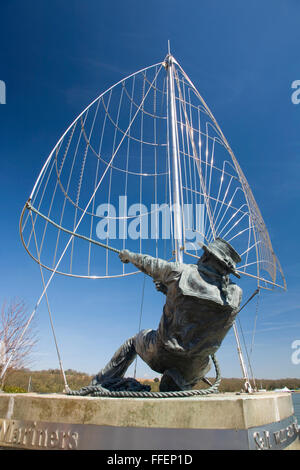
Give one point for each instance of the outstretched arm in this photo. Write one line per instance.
(157, 268)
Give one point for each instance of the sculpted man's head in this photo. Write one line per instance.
(220, 256)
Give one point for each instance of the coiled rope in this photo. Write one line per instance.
(99, 391)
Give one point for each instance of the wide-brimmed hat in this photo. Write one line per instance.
(225, 254)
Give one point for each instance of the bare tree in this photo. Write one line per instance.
(13, 318)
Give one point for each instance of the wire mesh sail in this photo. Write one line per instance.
(109, 179)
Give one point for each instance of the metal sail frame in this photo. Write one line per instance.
(183, 155)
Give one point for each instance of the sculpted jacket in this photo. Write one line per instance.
(200, 307)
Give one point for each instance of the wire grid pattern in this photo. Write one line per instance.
(109, 178)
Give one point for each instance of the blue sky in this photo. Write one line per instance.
(56, 57)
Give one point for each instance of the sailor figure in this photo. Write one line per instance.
(201, 305)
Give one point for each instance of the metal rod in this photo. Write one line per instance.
(175, 163)
(33, 209)
(247, 384)
(67, 388)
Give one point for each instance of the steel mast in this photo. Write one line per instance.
(173, 132)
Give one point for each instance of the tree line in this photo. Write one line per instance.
(51, 381)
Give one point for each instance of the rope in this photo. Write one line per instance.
(98, 391)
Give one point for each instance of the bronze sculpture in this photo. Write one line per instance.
(201, 305)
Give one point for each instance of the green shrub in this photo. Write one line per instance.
(12, 389)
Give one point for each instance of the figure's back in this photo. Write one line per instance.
(199, 310)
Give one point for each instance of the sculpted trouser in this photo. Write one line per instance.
(180, 372)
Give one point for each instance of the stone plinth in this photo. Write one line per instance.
(221, 421)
